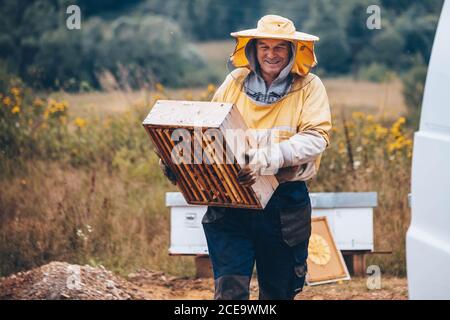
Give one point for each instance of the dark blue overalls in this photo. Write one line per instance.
(276, 238)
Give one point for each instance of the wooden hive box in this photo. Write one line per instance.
(213, 182)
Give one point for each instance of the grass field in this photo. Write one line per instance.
(91, 191)
(344, 93)
(383, 100)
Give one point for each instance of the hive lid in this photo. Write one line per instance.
(318, 199)
(188, 113)
(344, 199)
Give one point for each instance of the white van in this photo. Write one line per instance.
(428, 237)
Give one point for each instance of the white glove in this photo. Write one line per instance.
(259, 162)
(265, 161)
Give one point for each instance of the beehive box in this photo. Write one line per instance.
(212, 182)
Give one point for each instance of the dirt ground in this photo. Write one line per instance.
(158, 286)
(60, 280)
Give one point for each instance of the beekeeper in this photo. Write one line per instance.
(275, 92)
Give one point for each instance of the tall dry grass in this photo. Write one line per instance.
(368, 154)
(88, 191)
(85, 215)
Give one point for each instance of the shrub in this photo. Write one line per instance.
(374, 72)
(413, 89)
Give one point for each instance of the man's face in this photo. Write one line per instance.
(272, 55)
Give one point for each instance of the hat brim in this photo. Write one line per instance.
(254, 33)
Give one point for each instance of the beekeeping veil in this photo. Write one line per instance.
(302, 57)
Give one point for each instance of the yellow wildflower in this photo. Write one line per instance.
(16, 109)
(350, 125)
(380, 131)
(18, 100)
(60, 106)
(188, 96)
(211, 88)
(15, 91)
(397, 126)
(157, 97)
(367, 131)
(159, 87)
(400, 143)
(6, 101)
(54, 107)
(357, 115)
(342, 148)
(38, 102)
(80, 123)
(392, 147)
(408, 142)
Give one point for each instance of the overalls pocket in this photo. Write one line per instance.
(295, 223)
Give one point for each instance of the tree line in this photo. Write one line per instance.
(151, 40)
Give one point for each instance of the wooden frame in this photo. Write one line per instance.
(214, 183)
(325, 262)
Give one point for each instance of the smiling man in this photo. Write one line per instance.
(273, 56)
(273, 89)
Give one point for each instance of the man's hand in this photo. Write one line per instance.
(168, 172)
(258, 162)
(246, 176)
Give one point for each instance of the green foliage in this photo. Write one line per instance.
(137, 43)
(148, 56)
(413, 89)
(138, 49)
(374, 72)
(33, 128)
(207, 19)
(22, 119)
(333, 50)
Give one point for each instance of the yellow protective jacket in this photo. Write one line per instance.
(301, 119)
